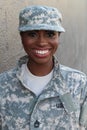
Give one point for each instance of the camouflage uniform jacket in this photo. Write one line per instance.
(62, 105)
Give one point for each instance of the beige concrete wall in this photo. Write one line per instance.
(73, 47)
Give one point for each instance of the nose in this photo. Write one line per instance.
(42, 41)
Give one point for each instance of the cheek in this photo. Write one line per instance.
(55, 41)
(26, 46)
(26, 43)
(55, 45)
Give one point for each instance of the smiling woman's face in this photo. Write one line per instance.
(40, 45)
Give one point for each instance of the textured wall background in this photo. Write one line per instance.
(73, 47)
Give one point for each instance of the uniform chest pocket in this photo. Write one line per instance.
(52, 102)
(56, 104)
(53, 106)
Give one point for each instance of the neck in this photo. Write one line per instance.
(40, 69)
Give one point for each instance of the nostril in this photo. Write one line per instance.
(42, 42)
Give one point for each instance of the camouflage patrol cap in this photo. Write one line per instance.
(40, 18)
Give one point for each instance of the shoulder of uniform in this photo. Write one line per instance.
(72, 73)
(7, 76)
(70, 70)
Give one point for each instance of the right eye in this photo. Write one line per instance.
(32, 34)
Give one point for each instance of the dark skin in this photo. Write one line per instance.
(40, 46)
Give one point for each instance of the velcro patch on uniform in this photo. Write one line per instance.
(68, 103)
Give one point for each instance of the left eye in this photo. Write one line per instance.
(50, 34)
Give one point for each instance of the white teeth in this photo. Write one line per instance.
(41, 51)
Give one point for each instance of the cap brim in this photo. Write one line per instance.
(41, 27)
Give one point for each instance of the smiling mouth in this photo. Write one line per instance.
(41, 52)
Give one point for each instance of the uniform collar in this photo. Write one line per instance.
(57, 87)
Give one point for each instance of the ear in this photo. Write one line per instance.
(59, 33)
(20, 33)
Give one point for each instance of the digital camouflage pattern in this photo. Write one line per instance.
(62, 105)
(40, 18)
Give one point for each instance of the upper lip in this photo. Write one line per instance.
(48, 48)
